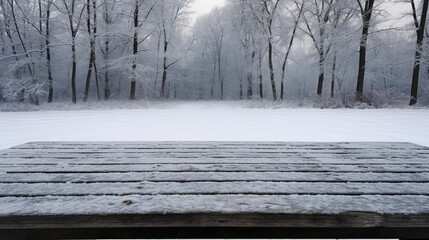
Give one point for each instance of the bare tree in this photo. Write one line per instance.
(212, 33)
(137, 24)
(246, 34)
(218, 36)
(7, 30)
(108, 19)
(265, 12)
(172, 14)
(421, 27)
(74, 10)
(270, 7)
(296, 20)
(321, 11)
(342, 14)
(91, 5)
(260, 77)
(366, 11)
(135, 49)
(48, 50)
(29, 61)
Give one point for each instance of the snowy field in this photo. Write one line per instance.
(216, 122)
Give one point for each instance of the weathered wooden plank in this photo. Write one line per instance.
(176, 204)
(211, 188)
(64, 168)
(214, 149)
(275, 153)
(213, 177)
(262, 220)
(143, 160)
(89, 153)
(382, 145)
(112, 144)
(202, 148)
(170, 145)
(212, 156)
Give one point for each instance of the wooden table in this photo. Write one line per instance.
(214, 190)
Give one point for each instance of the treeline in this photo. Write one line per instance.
(266, 49)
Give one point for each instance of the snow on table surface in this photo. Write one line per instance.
(72, 178)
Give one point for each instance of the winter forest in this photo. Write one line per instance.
(343, 51)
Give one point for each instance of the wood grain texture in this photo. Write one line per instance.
(221, 186)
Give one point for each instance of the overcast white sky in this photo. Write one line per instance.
(201, 7)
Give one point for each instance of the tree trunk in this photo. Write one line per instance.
(202, 75)
(261, 89)
(321, 69)
(220, 74)
(73, 34)
(94, 13)
(92, 41)
(321, 61)
(106, 80)
(164, 79)
(106, 53)
(73, 78)
(164, 69)
(249, 93)
(89, 75)
(334, 69)
(366, 17)
(48, 54)
(97, 85)
(271, 64)
(213, 80)
(418, 56)
(158, 48)
(135, 52)
(250, 76)
(241, 87)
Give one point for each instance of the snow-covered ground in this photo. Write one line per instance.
(216, 122)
